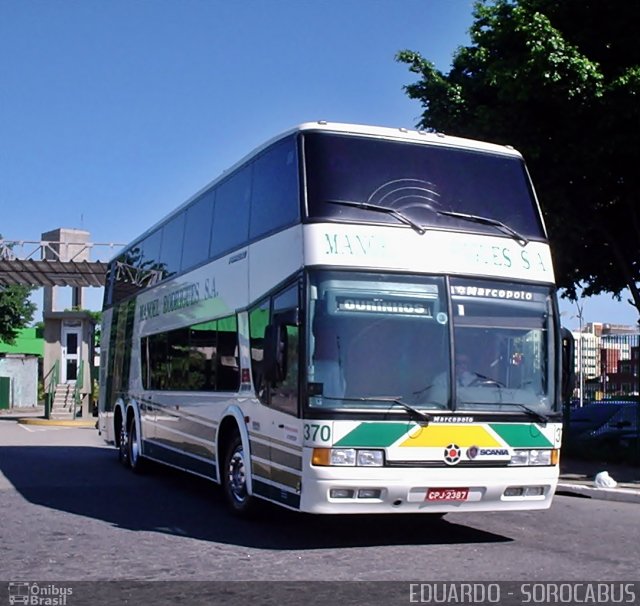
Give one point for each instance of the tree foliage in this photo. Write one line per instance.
(560, 81)
(16, 311)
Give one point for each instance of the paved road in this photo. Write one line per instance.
(70, 512)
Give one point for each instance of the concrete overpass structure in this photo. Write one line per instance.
(63, 257)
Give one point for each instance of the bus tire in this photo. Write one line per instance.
(136, 460)
(123, 445)
(234, 479)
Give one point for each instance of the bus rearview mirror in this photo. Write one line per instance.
(275, 353)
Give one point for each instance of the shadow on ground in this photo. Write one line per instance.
(90, 482)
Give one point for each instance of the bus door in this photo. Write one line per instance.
(277, 383)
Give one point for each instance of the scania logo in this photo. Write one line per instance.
(500, 452)
(452, 454)
(474, 451)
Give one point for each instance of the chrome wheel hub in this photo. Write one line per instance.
(237, 477)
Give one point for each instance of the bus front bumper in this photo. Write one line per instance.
(427, 490)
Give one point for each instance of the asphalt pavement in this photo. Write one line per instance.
(577, 476)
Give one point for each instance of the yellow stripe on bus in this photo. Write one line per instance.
(443, 435)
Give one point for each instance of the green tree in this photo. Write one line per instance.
(560, 81)
(16, 311)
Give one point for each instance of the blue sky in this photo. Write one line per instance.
(114, 112)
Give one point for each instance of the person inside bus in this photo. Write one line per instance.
(464, 377)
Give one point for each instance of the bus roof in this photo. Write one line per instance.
(408, 135)
(382, 132)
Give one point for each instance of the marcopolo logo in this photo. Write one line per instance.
(38, 594)
(492, 293)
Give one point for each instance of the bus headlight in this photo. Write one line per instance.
(343, 456)
(539, 457)
(370, 458)
(519, 457)
(534, 457)
(347, 457)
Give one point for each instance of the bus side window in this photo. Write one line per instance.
(227, 362)
(284, 395)
(258, 320)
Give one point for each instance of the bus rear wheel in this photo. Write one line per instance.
(136, 460)
(234, 479)
(123, 446)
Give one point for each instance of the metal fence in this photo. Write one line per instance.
(604, 416)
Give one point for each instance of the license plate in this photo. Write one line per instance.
(447, 494)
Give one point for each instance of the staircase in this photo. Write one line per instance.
(63, 402)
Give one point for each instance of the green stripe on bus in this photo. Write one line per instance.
(374, 434)
(521, 436)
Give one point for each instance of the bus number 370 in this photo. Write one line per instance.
(314, 432)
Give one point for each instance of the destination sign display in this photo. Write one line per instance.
(382, 305)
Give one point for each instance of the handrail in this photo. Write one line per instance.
(77, 395)
(53, 375)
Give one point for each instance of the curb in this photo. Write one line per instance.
(624, 495)
(59, 422)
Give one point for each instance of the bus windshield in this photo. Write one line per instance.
(430, 342)
(428, 185)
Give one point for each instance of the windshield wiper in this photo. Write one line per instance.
(382, 209)
(538, 416)
(519, 238)
(424, 418)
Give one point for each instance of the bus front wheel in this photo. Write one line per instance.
(234, 479)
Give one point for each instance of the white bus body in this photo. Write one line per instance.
(314, 365)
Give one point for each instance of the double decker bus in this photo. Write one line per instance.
(352, 319)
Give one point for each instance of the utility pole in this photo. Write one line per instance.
(580, 358)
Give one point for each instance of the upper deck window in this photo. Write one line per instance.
(417, 180)
(255, 200)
